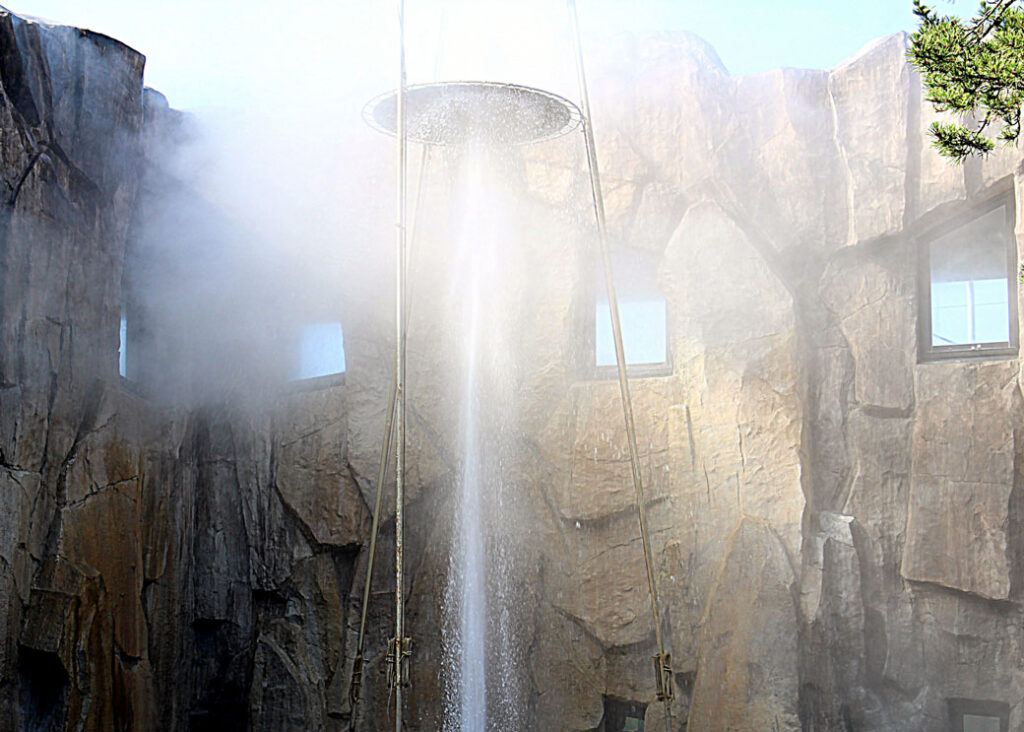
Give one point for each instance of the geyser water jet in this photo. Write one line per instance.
(479, 119)
(477, 603)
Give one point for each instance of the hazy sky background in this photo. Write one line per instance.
(219, 53)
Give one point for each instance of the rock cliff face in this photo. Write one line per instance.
(835, 520)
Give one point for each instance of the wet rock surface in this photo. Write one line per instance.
(835, 522)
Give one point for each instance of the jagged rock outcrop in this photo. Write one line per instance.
(69, 184)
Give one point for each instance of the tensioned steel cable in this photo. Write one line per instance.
(662, 666)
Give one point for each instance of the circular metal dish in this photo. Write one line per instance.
(461, 112)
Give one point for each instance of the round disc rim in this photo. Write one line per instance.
(442, 113)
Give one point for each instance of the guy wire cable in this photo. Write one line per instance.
(662, 668)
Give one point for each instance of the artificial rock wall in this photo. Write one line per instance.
(149, 552)
(835, 524)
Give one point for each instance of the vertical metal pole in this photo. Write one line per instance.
(382, 468)
(620, 357)
(400, 254)
(389, 427)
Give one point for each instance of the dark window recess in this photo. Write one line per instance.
(969, 303)
(221, 674)
(643, 313)
(976, 715)
(44, 684)
(622, 716)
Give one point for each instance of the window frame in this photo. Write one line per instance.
(927, 351)
(959, 707)
(316, 383)
(591, 371)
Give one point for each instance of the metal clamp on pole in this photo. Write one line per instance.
(357, 678)
(663, 676)
(399, 658)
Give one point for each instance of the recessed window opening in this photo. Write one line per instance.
(321, 351)
(971, 307)
(622, 716)
(643, 314)
(974, 715)
(122, 347)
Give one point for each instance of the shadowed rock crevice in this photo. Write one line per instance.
(12, 73)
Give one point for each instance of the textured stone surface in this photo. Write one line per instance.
(735, 346)
(604, 585)
(569, 675)
(747, 677)
(312, 474)
(600, 481)
(873, 302)
(870, 94)
(963, 475)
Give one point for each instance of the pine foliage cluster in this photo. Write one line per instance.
(975, 70)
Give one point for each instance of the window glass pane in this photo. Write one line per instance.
(969, 283)
(978, 723)
(322, 351)
(642, 311)
(122, 349)
(949, 313)
(643, 331)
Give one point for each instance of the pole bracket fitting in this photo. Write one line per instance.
(399, 654)
(357, 678)
(663, 676)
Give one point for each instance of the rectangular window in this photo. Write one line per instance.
(970, 304)
(643, 315)
(122, 348)
(321, 351)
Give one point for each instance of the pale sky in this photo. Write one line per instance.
(227, 53)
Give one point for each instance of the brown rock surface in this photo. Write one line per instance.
(870, 94)
(963, 475)
(747, 677)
